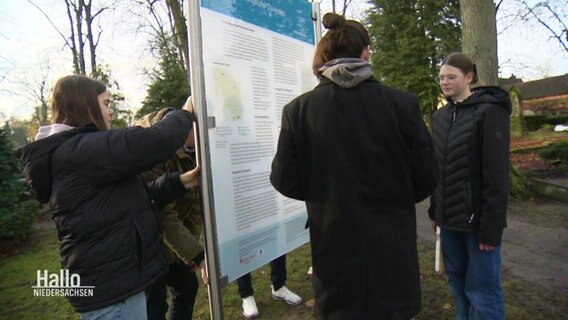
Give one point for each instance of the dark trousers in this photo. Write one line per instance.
(183, 286)
(277, 277)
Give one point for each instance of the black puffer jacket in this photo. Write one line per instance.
(471, 140)
(107, 228)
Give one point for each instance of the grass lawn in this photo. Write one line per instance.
(18, 273)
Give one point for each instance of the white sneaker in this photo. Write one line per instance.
(250, 310)
(288, 296)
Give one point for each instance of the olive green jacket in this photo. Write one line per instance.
(180, 220)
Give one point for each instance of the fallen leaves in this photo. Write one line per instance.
(529, 162)
(525, 159)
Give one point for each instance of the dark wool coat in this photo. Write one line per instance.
(360, 158)
(106, 225)
(471, 142)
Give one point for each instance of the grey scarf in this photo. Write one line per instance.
(347, 72)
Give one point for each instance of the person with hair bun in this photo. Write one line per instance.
(471, 142)
(360, 156)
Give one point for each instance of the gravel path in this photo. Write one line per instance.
(536, 254)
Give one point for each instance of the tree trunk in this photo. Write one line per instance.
(80, 41)
(479, 41)
(73, 44)
(479, 38)
(90, 39)
(180, 31)
(43, 105)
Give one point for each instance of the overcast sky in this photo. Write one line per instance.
(30, 46)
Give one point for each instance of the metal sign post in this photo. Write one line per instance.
(198, 93)
(247, 60)
(316, 17)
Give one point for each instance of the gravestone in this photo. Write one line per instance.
(517, 123)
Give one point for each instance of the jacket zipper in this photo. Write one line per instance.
(454, 115)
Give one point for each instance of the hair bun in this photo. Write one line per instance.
(333, 21)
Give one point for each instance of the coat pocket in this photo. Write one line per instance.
(139, 243)
(473, 216)
(468, 196)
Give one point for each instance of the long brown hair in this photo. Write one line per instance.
(344, 39)
(462, 62)
(75, 101)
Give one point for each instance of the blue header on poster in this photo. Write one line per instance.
(288, 17)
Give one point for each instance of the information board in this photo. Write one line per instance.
(256, 58)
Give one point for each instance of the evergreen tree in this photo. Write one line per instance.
(409, 39)
(15, 219)
(16, 131)
(10, 188)
(169, 85)
(121, 115)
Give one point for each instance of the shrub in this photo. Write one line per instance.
(517, 183)
(556, 152)
(16, 222)
(16, 215)
(534, 123)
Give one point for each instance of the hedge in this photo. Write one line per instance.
(557, 151)
(534, 123)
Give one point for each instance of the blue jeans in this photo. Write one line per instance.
(133, 308)
(473, 275)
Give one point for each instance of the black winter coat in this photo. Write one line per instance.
(106, 225)
(360, 157)
(471, 140)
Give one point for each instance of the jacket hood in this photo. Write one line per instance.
(493, 95)
(36, 160)
(46, 131)
(347, 72)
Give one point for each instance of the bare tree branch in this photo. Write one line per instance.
(179, 30)
(346, 4)
(99, 12)
(555, 15)
(497, 6)
(73, 46)
(51, 22)
(531, 11)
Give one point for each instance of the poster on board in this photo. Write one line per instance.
(256, 58)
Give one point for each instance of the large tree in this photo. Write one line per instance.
(121, 115)
(550, 17)
(82, 16)
(179, 31)
(16, 131)
(340, 4)
(480, 35)
(84, 30)
(165, 24)
(15, 220)
(479, 38)
(169, 85)
(409, 40)
(164, 21)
